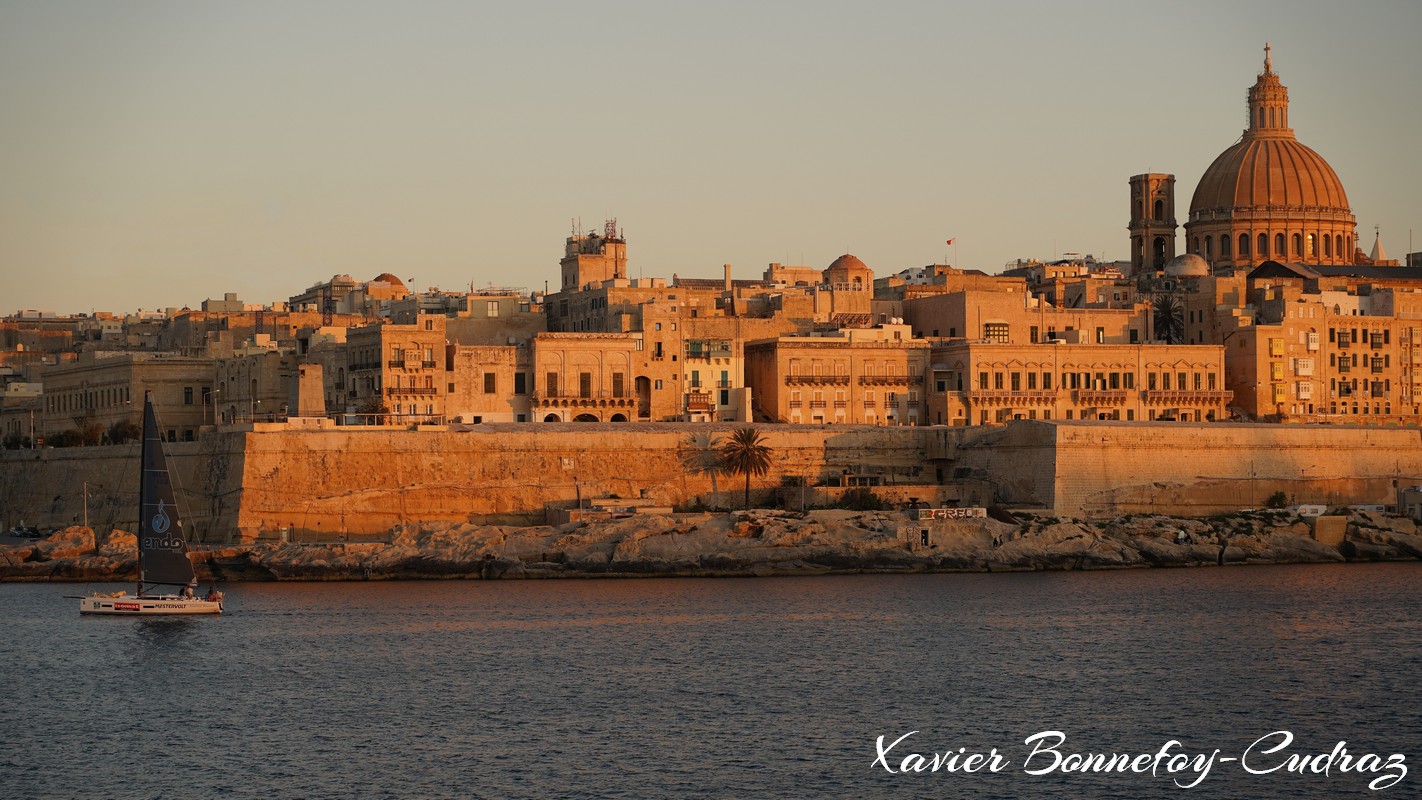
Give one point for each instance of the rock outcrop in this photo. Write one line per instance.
(761, 542)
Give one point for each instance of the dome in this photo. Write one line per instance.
(1269, 195)
(1260, 172)
(1188, 265)
(386, 277)
(847, 262)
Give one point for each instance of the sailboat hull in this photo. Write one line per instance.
(146, 605)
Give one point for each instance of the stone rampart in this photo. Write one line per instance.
(322, 482)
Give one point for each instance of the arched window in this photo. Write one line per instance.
(1160, 209)
(1298, 245)
(1278, 244)
(1244, 245)
(1209, 248)
(1159, 252)
(1140, 209)
(1347, 247)
(1312, 246)
(1338, 245)
(1224, 246)
(1327, 246)
(1263, 249)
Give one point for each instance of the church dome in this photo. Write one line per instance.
(385, 277)
(1188, 265)
(847, 262)
(1269, 195)
(1269, 171)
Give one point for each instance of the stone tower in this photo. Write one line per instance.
(1152, 221)
(589, 258)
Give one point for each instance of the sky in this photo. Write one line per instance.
(156, 154)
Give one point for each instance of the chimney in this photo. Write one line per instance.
(728, 277)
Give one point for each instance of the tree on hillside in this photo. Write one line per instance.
(745, 454)
(700, 454)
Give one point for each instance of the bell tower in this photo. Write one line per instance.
(1152, 221)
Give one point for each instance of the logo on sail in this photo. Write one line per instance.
(161, 520)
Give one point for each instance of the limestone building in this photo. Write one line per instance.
(856, 376)
(396, 371)
(984, 383)
(102, 389)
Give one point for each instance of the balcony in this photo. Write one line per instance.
(795, 403)
(576, 400)
(423, 390)
(1103, 397)
(1007, 397)
(817, 404)
(723, 384)
(890, 380)
(840, 404)
(820, 380)
(699, 402)
(1198, 397)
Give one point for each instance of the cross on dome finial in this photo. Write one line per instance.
(1268, 62)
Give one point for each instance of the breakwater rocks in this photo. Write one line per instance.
(761, 542)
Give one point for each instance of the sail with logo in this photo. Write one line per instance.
(165, 573)
(162, 550)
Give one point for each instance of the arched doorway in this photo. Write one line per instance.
(552, 418)
(585, 418)
(618, 418)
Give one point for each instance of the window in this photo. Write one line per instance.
(520, 383)
(585, 385)
(1224, 246)
(997, 380)
(1016, 381)
(1243, 245)
(550, 382)
(1278, 244)
(982, 380)
(995, 332)
(492, 308)
(1032, 334)
(1100, 335)
(429, 324)
(490, 383)
(1047, 381)
(187, 395)
(618, 384)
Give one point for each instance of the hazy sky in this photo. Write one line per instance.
(156, 154)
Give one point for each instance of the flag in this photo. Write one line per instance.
(950, 241)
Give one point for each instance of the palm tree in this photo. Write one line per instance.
(700, 453)
(745, 454)
(1169, 318)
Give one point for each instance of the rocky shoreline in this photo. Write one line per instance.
(754, 543)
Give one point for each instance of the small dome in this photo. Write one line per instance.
(1188, 265)
(386, 277)
(847, 262)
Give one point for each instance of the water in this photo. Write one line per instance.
(712, 688)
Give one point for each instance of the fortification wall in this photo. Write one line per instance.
(321, 482)
(1108, 468)
(46, 488)
(361, 481)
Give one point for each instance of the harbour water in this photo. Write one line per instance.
(716, 688)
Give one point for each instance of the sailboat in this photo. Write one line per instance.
(166, 580)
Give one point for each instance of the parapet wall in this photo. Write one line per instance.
(241, 482)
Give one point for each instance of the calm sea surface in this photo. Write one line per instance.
(715, 688)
